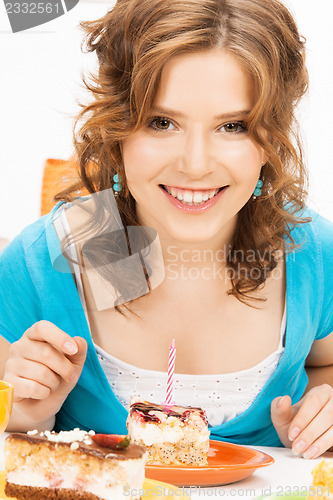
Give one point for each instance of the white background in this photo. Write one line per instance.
(40, 84)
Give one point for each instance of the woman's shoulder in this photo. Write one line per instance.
(316, 234)
(33, 250)
(311, 267)
(321, 226)
(34, 235)
(311, 256)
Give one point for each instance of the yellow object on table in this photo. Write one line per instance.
(322, 485)
(6, 403)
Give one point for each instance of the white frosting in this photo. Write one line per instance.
(68, 436)
(152, 434)
(32, 433)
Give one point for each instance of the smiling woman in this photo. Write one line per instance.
(233, 67)
(192, 124)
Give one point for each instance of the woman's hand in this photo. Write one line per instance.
(43, 366)
(307, 426)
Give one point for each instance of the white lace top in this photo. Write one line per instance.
(222, 396)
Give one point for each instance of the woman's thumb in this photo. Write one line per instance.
(282, 415)
(78, 360)
(80, 356)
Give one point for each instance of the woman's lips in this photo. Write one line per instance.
(194, 208)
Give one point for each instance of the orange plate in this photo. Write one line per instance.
(227, 463)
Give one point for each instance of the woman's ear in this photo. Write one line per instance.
(265, 158)
(121, 149)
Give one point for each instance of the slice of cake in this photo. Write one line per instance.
(73, 465)
(176, 435)
(322, 484)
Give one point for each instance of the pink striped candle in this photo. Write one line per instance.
(171, 373)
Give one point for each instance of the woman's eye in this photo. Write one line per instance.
(234, 128)
(160, 123)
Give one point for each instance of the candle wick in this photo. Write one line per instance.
(173, 345)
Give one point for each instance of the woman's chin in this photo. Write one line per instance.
(190, 238)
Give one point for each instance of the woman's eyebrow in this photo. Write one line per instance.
(223, 116)
(233, 114)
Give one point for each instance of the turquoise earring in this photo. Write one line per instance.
(257, 191)
(117, 187)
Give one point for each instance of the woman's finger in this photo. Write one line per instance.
(320, 445)
(45, 331)
(28, 389)
(37, 372)
(316, 428)
(311, 405)
(45, 353)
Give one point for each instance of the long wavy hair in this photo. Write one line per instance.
(134, 41)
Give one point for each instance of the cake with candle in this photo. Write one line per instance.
(73, 465)
(322, 484)
(172, 435)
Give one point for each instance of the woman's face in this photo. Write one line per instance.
(193, 166)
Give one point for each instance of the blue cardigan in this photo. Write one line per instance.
(32, 290)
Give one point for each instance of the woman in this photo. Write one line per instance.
(192, 125)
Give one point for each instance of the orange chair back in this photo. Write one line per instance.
(57, 176)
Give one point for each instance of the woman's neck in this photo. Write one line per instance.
(198, 254)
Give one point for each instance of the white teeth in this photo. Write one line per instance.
(192, 197)
(197, 198)
(188, 197)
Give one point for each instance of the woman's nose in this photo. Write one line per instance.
(196, 158)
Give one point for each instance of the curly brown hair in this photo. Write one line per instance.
(135, 40)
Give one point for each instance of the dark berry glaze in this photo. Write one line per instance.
(143, 409)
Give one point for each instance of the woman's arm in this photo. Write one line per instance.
(319, 375)
(319, 363)
(321, 353)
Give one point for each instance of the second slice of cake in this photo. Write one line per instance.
(72, 465)
(175, 435)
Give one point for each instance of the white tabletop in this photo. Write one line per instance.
(289, 472)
